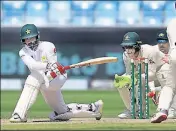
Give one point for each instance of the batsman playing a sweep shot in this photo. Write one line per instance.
(47, 76)
(169, 90)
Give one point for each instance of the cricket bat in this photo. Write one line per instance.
(95, 61)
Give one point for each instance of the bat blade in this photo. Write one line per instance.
(96, 61)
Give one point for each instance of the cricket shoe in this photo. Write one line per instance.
(159, 117)
(125, 115)
(17, 119)
(98, 109)
(54, 116)
(171, 113)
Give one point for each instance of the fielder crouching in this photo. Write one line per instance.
(47, 76)
(162, 71)
(168, 92)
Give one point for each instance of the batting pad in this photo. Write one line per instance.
(74, 114)
(28, 97)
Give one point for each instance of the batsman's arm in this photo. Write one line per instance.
(30, 62)
(50, 51)
(51, 55)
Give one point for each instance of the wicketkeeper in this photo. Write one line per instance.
(132, 50)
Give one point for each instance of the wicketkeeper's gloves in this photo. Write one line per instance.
(123, 81)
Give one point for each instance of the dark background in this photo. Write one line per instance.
(74, 45)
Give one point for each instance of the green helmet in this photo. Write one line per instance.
(162, 36)
(29, 31)
(131, 39)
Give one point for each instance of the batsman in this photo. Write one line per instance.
(48, 77)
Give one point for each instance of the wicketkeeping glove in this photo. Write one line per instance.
(123, 81)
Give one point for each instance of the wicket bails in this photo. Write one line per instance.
(139, 89)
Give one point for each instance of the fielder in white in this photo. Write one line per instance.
(163, 45)
(132, 50)
(169, 90)
(47, 76)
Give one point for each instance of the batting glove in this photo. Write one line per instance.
(53, 70)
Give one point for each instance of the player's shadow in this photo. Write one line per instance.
(48, 121)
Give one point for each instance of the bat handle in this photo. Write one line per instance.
(67, 67)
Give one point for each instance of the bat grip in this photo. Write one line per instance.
(67, 67)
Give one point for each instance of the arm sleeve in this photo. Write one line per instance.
(152, 64)
(151, 76)
(51, 53)
(30, 62)
(151, 72)
(127, 65)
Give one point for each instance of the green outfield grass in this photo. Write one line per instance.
(113, 105)
(92, 126)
